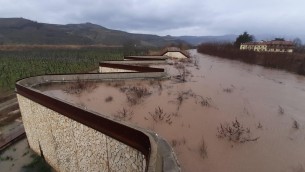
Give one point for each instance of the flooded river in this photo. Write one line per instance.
(268, 104)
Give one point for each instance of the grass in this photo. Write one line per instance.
(20, 63)
(37, 164)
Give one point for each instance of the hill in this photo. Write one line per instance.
(196, 40)
(24, 31)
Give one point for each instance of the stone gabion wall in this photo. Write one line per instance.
(71, 146)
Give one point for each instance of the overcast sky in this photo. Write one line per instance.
(169, 17)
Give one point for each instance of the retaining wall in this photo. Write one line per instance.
(130, 66)
(75, 139)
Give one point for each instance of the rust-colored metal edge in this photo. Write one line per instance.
(120, 132)
(130, 67)
(151, 58)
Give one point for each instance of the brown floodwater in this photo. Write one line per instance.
(216, 91)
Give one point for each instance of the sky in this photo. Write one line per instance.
(169, 17)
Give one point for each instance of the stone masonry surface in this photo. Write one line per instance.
(71, 146)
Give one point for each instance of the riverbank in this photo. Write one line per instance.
(292, 62)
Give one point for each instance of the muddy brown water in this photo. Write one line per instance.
(217, 91)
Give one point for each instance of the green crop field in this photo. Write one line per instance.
(18, 64)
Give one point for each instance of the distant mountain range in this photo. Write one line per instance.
(24, 31)
(196, 40)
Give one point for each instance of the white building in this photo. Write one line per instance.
(268, 46)
(175, 52)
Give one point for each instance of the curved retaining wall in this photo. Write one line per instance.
(75, 139)
(130, 66)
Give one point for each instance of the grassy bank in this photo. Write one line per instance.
(17, 63)
(292, 62)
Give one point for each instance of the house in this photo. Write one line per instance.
(175, 52)
(268, 46)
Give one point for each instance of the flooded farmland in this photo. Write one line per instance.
(218, 115)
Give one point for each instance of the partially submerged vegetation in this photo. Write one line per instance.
(79, 86)
(160, 116)
(293, 62)
(124, 114)
(235, 132)
(184, 95)
(135, 95)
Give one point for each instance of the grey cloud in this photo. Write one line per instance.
(175, 17)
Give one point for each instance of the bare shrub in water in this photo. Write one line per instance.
(281, 110)
(124, 114)
(295, 124)
(178, 142)
(159, 116)
(184, 95)
(183, 72)
(109, 99)
(196, 63)
(135, 94)
(156, 83)
(228, 90)
(235, 132)
(260, 126)
(203, 150)
(79, 86)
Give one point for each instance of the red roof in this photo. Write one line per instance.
(269, 43)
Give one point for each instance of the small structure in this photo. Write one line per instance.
(175, 52)
(268, 46)
(133, 64)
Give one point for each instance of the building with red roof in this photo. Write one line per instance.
(269, 46)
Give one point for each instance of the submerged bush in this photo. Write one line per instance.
(235, 132)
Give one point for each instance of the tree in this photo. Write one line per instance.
(279, 39)
(243, 38)
(298, 47)
(297, 42)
